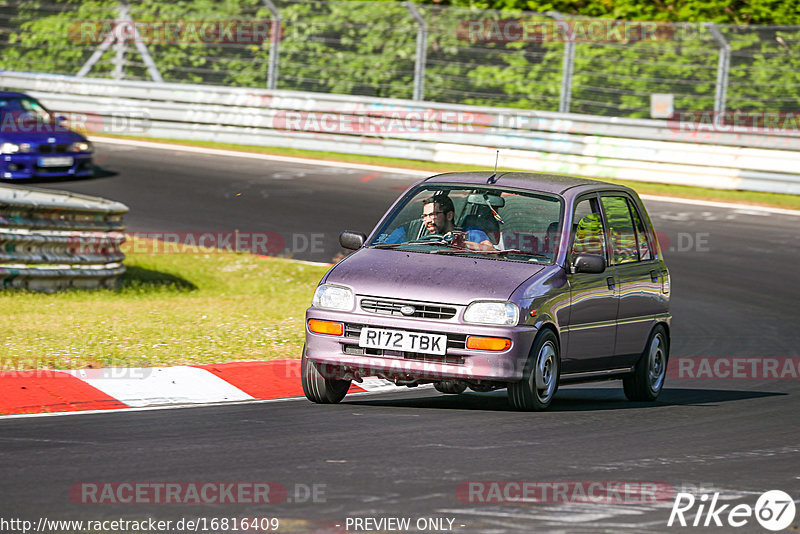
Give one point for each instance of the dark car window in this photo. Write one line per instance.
(587, 229)
(621, 229)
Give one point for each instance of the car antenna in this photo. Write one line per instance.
(493, 178)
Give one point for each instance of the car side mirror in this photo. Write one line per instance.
(352, 240)
(589, 263)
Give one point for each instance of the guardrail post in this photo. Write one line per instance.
(274, 45)
(422, 49)
(568, 65)
(723, 67)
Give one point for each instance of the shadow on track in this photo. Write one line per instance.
(570, 400)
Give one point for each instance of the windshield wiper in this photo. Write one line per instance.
(387, 245)
(440, 242)
(494, 252)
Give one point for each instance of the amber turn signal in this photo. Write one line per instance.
(326, 327)
(488, 343)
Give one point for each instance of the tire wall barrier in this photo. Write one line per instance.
(661, 151)
(52, 240)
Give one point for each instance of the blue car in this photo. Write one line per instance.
(34, 143)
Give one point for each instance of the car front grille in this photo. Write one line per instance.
(53, 149)
(421, 310)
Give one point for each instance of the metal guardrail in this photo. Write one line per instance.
(603, 147)
(51, 240)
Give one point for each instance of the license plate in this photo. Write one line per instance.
(375, 338)
(58, 161)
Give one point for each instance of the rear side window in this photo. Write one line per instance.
(642, 237)
(587, 230)
(629, 241)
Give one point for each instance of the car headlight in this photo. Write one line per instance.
(9, 148)
(492, 312)
(81, 146)
(330, 297)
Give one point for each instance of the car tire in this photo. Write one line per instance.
(450, 387)
(647, 379)
(318, 388)
(540, 377)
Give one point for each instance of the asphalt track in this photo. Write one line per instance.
(735, 290)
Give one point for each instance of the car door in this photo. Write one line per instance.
(591, 332)
(637, 273)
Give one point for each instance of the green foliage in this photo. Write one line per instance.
(368, 48)
(784, 12)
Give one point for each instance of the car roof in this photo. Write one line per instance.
(4, 94)
(559, 184)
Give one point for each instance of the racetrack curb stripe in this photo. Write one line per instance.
(276, 379)
(43, 391)
(24, 392)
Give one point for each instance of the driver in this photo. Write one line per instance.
(438, 214)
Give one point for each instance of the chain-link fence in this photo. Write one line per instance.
(413, 51)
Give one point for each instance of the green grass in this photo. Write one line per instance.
(170, 309)
(721, 195)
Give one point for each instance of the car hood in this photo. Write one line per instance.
(429, 277)
(60, 135)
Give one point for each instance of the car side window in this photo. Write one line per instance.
(619, 214)
(642, 237)
(587, 229)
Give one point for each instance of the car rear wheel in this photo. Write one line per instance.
(647, 379)
(540, 378)
(450, 387)
(318, 388)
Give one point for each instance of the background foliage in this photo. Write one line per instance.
(368, 48)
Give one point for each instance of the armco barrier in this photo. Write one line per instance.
(52, 240)
(603, 147)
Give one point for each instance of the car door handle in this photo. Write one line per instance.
(654, 276)
(611, 283)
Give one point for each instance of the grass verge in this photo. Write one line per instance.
(171, 309)
(755, 198)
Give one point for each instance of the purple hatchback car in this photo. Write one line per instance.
(488, 281)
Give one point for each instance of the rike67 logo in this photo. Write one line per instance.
(774, 510)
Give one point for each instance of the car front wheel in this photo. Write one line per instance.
(540, 378)
(318, 388)
(647, 379)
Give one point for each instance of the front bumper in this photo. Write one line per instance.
(341, 356)
(21, 166)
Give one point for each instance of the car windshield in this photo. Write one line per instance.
(485, 221)
(20, 105)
